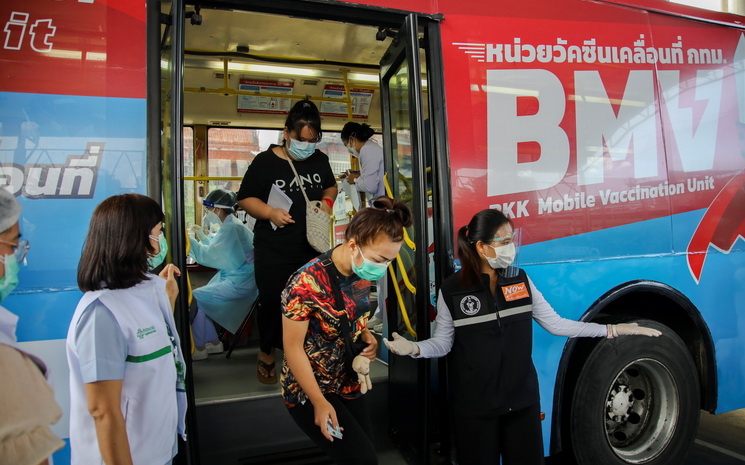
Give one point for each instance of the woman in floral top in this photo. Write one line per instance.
(317, 386)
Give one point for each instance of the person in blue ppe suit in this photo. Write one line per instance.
(227, 298)
(26, 399)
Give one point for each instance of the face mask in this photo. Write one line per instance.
(505, 255)
(156, 260)
(369, 270)
(301, 150)
(353, 151)
(209, 218)
(9, 282)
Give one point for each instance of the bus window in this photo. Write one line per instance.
(188, 156)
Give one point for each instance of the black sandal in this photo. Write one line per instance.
(268, 367)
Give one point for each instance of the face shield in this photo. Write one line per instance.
(506, 249)
(210, 221)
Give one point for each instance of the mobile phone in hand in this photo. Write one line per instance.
(334, 432)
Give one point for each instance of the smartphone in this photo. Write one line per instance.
(334, 432)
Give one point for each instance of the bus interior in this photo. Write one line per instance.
(242, 71)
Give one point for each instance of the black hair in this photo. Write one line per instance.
(304, 113)
(118, 244)
(361, 132)
(482, 227)
(386, 216)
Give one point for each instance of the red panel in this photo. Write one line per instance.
(599, 129)
(74, 48)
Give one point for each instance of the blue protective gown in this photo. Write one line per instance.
(228, 297)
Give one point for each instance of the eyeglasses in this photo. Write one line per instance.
(20, 249)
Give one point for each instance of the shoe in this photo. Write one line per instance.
(378, 328)
(268, 367)
(199, 354)
(214, 348)
(374, 321)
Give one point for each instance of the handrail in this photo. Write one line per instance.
(401, 303)
(388, 192)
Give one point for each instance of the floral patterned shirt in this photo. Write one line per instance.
(310, 297)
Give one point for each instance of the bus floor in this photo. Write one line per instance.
(241, 421)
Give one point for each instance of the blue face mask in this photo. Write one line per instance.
(156, 260)
(301, 150)
(9, 282)
(369, 270)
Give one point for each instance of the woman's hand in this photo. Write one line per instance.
(169, 273)
(371, 351)
(324, 411)
(280, 217)
(351, 176)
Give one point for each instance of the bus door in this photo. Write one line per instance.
(166, 181)
(408, 177)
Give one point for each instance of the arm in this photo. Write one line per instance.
(547, 317)
(294, 332)
(169, 273)
(441, 342)
(438, 345)
(368, 179)
(330, 194)
(104, 399)
(263, 211)
(224, 252)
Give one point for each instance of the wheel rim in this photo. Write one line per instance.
(641, 411)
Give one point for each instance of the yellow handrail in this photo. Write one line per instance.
(388, 192)
(400, 299)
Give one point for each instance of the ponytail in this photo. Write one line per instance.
(386, 216)
(469, 259)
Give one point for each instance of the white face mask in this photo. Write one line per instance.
(353, 151)
(505, 255)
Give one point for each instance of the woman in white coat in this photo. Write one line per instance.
(127, 397)
(227, 298)
(369, 180)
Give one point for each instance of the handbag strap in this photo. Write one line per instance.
(299, 181)
(346, 332)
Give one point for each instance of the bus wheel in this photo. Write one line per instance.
(636, 401)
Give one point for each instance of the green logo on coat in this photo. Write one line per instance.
(142, 332)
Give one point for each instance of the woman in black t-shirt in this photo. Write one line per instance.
(280, 246)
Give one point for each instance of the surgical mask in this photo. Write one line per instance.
(210, 218)
(505, 255)
(9, 282)
(353, 151)
(369, 270)
(301, 150)
(156, 260)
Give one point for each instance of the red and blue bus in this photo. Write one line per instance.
(610, 131)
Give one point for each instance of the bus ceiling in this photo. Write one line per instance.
(231, 52)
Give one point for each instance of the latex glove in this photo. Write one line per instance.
(197, 229)
(361, 365)
(631, 329)
(401, 346)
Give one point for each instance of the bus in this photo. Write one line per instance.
(612, 132)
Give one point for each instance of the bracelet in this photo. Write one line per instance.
(328, 201)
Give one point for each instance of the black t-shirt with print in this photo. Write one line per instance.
(267, 169)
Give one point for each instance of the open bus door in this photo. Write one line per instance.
(404, 112)
(170, 185)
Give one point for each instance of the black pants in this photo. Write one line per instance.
(272, 271)
(356, 446)
(515, 436)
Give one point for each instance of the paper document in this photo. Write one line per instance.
(278, 199)
(352, 194)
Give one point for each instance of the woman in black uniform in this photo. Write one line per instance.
(280, 245)
(484, 325)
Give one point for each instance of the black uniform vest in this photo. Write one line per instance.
(490, 367)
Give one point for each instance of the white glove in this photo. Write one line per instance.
(197, 229)
(401, 346)
(361, 365)
(631, 329)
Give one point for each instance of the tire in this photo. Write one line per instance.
(636, 401)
